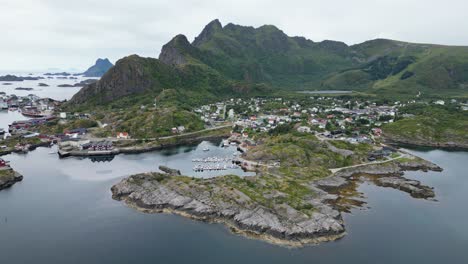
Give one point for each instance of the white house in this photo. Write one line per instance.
(303, 129)
(123, 135)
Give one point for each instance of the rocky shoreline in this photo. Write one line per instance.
(8, 177)
(388, 174)
(419, 143)
(211, 200)
(31, 148)
(138, 149)
(279, 225)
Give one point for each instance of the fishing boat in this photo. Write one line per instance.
(31, 111)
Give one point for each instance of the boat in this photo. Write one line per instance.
(2, 131)
(20, 148)
(3, 105)
(31, 112)
(206, 149)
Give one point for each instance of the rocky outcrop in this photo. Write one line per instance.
(413, 187)
(175, 52)
(99, 68)
(127, 77)
(8, 177)
(342, 152)
(13, 78)
(57, 74)
(207, 32)
(280, 223)
(171, 172)
(417, 164)
(387, 174)
(24, 88)
(263, 212)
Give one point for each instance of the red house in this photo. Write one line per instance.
(3, 163)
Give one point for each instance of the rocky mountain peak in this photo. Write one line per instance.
(173, 53)
(99, 68)
(207, 32)
(102, 61)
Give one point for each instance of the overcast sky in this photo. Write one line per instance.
(42, 34)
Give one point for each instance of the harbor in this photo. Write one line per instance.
(214, 163)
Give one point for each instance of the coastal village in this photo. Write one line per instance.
(353, 121)
(326, 117)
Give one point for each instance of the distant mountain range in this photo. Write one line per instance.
(233, 59)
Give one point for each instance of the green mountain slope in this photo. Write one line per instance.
(431, 125)
(405, 68)
(243, 61)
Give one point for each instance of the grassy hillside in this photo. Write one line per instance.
(405, 69)
(304, 156)
(431, 125)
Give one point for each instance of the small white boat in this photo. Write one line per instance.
(206, 149)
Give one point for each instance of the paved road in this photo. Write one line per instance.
(196, 132)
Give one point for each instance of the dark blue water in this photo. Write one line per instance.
(63, 213)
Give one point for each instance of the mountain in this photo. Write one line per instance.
(238, 60)
(399, 68)
(99, 68)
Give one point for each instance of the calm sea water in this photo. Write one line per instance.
(52, 91)
(63, 213)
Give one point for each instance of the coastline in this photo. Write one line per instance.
(234, 228)
(31, 148)
(165, 195)
(8, 177)
(138, 149)
(450, 146)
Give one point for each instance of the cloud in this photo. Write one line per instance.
(38, 34)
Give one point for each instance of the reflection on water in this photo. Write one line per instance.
(102, 158)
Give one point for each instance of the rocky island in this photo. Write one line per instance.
(296, 202)
(99, 68)
(8, 177)
(13, 78)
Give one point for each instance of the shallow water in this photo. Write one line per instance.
(63, 212)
